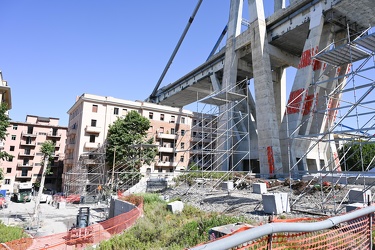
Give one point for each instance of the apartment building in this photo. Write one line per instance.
(23, 141)
(203, 141)
(91, 116)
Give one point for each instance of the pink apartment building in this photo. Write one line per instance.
(91, 115)
(23, 141)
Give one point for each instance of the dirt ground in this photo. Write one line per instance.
(305, 199)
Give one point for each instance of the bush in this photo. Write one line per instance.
(160, 229)
(9, 233)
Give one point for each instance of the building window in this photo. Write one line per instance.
(124, 112)
(182, 158)
(92, 138)
(95, 108)
(115, 111)
(7, 181)
(182, 145)
(9, 170)
(15, 127)
(13, 137)
(150, 115)
(194, 122)
(93, 123)
(182, 132)
(161, 117)
(173, 119)
(161, 130)
(173, 131)
(11, 148)
(10, 159)
(182, 119)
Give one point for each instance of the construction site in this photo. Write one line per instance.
(329, 105)
(254, 137)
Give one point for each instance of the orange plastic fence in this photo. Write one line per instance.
(81, 237)
(354, 234)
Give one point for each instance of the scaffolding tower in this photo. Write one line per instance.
(348, 118)
(89, 175)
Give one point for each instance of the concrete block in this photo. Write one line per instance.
(358, 195)
(276, 203)
(259, 188)
(175, 207)
(61, 205)
(227, 185)
(354, 206)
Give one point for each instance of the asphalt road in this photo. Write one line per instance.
(53, 219)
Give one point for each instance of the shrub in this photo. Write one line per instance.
(9, 233)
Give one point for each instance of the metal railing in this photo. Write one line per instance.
(349, 231)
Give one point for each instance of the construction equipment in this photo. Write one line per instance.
(22, 191)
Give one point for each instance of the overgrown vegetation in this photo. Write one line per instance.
(357, 156)
(160, 229)
(9, 233)
(191, 176)
(4, 124)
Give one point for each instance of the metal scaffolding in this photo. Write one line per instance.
(89, 176)
(347, 115)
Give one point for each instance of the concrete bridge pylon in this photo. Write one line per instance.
(287, 133)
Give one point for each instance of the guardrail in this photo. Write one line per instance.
(349, 231)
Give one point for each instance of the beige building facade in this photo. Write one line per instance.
(91, 116)
(23, 141)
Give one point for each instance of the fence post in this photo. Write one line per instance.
(269, 243)
(370, 229)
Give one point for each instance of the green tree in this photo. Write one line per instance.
(47, 149)
(352, 155)
(127, 143)
(4, 124)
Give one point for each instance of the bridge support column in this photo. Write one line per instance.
(267, 120)
(225, 123)
(302, 92)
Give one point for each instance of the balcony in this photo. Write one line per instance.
(5, 90)
(91, 129)
(30, 144)
(167, 136)
(166, 164)
(90, 161)
(91, 144)
(200, 139)
(24, 154)
(28, 134)
(23, 176)
(54, 135)
(22, 165)
(71, 145)
(68, 161)
(166, 150)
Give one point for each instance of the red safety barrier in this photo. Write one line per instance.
(79, 238)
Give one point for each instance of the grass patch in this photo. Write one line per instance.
(160, 229)
(9, 233)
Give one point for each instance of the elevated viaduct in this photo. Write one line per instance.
(285, 132)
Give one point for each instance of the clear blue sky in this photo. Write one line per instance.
(53, 51)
